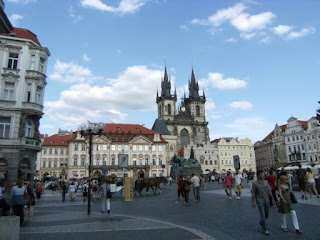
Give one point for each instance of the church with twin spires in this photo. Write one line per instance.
(185, 124)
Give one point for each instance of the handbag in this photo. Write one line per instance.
(293, 198)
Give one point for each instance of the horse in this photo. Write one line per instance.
(146, 183)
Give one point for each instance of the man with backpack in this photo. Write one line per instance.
(85, 191)
(302, 181)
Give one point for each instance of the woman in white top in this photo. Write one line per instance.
(18, 200)
(72, 192)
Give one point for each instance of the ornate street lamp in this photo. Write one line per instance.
(90, 129)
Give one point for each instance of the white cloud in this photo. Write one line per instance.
(125, 6)
(76, 18)
(14, 19)
(248, 36)
(24, 2)
(282, 29)
(232, 40)
(244, 105)
(226, 14)
(217, 80)
(303, 32)
(246, 23)
(133, 90)
(184, 27)
(85, 58)
(71, 73)
(210, 105)
(235, 15)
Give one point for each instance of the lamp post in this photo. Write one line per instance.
(90, 130)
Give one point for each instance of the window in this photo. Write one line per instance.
(154, 161)
(41, 65)
(44, 151)
(126, 147)
(119, 147)
(49, 166)
(160, 148)
(44, 164)
(113, 147)
(76, 147)
(28, 128)
(83, 147)
(98, 162)
(221, 162)
(61, 150)
(8, 93)
(104, 147)
(4, 127)
(140, 148)
(113, 161)
(288, 139)
(83, 161)
(38, 95)
(50, 150)
(13, 60)
(56, 151)
(55, 164)
(32, 62)
(312, 136)
(210, 162)
(146, 148)
(29, 93)
(198, 110)
(302, 147)
(75, 161)
(134, 148)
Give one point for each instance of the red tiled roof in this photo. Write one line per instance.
(23, 33)
(111, 129)
(57, 140)
(304, 125)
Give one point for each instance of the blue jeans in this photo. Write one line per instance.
(264, 214)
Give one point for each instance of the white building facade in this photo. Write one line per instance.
(23, 64)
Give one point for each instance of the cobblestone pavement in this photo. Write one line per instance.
(158, 217)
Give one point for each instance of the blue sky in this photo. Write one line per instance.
(257, 61)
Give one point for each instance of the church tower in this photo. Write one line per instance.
(166, 101)
(189, 123)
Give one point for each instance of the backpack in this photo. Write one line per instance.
(85, 188)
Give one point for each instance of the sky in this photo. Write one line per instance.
(257, 61)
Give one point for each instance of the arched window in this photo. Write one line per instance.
(198, 110)
(184, 137)
(169, 109)
(28, 128)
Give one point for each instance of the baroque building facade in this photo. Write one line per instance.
(182, 125)
(65, 155)
(23, 64)
(219, 154)
(297, 142)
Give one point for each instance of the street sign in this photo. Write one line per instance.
(175, 167)
(236, 161)
(124, 170)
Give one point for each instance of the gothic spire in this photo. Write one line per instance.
(165, 85)
(193, 87)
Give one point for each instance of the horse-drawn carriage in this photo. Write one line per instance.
(153, 183)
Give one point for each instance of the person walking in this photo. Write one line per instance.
(3, 203)
(30, 205)
(302, 179)
(105, 196)
(38, 190)
(250, 178)
(64, 191)
(186, 185)
(311, 183)
(315, 171)
(271, 178)
(180, 190)
(228, 180)
(195, 180)
(18, 200)
(72, 192)
(85, 188)
(260, 195)
(238, 184)
(286, 205)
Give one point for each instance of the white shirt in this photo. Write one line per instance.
(195, 180)
(238, 179)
